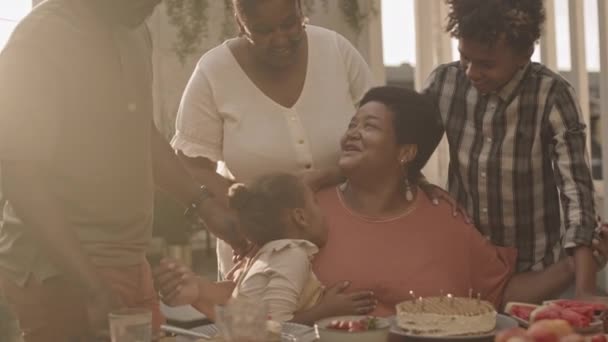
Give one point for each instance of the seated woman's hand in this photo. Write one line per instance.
(176, 283)
(337, 303)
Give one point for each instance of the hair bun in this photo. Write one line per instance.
(239, 196)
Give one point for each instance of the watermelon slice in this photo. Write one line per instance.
(581, 306)
(553, 311)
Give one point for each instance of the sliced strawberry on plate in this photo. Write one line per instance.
(520, 312)
(599, 338)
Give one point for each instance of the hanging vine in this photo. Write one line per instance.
(191, 20)
(355, 16)
(229, 26)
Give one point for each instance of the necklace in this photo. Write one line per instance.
(341, 191)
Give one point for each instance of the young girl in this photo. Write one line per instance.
(280, 214)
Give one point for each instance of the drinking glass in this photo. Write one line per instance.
(242, 320)
(131, 325)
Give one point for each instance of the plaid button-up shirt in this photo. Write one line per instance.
(518, 162)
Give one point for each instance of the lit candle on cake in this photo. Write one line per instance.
(451, 299)
(421, 301)
(412, 295)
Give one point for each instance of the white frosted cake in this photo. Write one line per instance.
(443, 316)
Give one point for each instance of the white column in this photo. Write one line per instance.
(443, 53)
(580, 80)
(548, 51)
(425, 62)
(602, 9)
(603, 30)
(374, 34)
(425, 58)
(433, 47)
(444, 45)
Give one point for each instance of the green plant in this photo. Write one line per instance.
(355, 16)
(229, 26)
(191, 20)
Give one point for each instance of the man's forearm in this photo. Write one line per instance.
(172, 177)
(536, 286)
(24, 187)
(585, 271)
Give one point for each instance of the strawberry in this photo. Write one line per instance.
(599, 338)
(343, 325)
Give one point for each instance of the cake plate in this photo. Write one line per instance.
(503, 322)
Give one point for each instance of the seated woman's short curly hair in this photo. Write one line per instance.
(417, 121)
(520, 21)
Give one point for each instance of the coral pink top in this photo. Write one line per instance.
(425, 250)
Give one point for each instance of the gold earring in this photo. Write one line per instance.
(409, 196)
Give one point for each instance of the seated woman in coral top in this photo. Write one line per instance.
(385, 235)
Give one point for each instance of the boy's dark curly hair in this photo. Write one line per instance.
(486, 20)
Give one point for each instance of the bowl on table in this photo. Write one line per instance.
(351, 329)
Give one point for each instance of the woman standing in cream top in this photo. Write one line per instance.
(274, 99)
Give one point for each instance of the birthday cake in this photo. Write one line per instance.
(446, 316)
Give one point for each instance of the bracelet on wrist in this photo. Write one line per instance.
(191, 211)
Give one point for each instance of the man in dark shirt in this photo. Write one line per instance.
(80, 157)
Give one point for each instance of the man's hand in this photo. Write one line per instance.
(176, 283)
